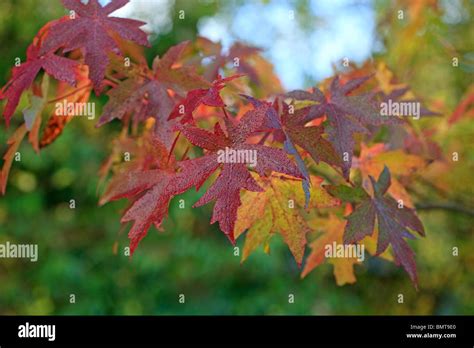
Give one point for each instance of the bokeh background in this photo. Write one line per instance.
(78, 248)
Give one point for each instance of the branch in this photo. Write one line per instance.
(444, 206)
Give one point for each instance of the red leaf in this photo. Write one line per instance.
(393, 224)
(149, 97)
(91, 30)
(209, 96)
(347, 115)
(23, 76)
(144, 99)
(310, 138)
(151, 192)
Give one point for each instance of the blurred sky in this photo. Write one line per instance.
(302, 45)
(301, 49)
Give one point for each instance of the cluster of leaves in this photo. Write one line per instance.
(322, 171)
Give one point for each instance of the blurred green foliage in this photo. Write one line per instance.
(81, 249)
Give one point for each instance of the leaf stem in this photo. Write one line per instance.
(68, 94)
(173, 146)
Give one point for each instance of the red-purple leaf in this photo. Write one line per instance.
(92, 30)
(393, 221)
(207, 96)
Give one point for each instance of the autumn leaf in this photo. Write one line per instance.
(310, 138)
(246, 60)
(143, 99)
(170, 71)
(151, 191)
(272, 122)
(23, 76)
(68, 94)
(148, 96)
(373, 159)
(279, 210)
(92, 30)
(226, 189)
(333, 233)
(394, 224)
(32, 114)
(346, 114)
(207, 96)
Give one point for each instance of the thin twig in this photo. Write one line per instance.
(69, 94)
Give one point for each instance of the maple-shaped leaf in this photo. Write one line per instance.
(278, 210)
(171, 70)
(310, 138)
(275, 123)
(60, 68)
(346, 114)
(333, 235)
(394, 224)
(245, 59)
(93, 30)
(152, 190)
(143, 99)
(373, 159)
(66, 93)
(149, 97)
(235, 176)
(329, 245)
(207, 96)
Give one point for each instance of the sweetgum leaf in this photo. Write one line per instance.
(234, 177)
(181, 78)
(333, 233)
(394, 224)
(310, 138)
(274, 122)
(23, 76)
(373, 159)
(207, 96)
(93, 30)
(346, 114)
(266, 213)
(151, 191)
(149, 97)
(144, 99)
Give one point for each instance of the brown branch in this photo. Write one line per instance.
(69, 94)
